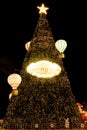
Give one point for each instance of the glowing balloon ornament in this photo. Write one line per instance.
(61, 46)
(27, 45)
(14, 81)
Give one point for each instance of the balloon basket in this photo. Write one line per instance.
(15, 92)
(61, 55)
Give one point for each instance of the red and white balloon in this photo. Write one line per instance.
(27, 45)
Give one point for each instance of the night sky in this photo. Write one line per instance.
(67, 20)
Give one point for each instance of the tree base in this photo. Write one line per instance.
(33, 126)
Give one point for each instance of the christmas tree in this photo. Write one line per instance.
(45, 99)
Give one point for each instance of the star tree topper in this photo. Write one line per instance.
(42, 9)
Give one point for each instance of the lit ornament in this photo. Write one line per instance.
(27, 45)
(61, 46)
(80, 107)
(36, 125)
(10, 96)
(42, 9)
(14, 81)
(52, 125)
(82, 125)
(67, 123)
(44, 69)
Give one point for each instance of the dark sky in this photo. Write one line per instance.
(67, 20)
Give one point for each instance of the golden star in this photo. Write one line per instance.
(42, 9)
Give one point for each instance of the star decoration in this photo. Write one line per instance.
(42, 9)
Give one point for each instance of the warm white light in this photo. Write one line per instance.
(42, 9)
(61, 45)
(14, 80)
(44, 69)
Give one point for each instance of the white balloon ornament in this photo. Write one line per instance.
(14, 81)
(61, 46)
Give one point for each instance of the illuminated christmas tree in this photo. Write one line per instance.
(45, 99)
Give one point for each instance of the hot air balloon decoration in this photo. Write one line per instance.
(10, 96)
(14, 81)
(61, 46)
(27, 45)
